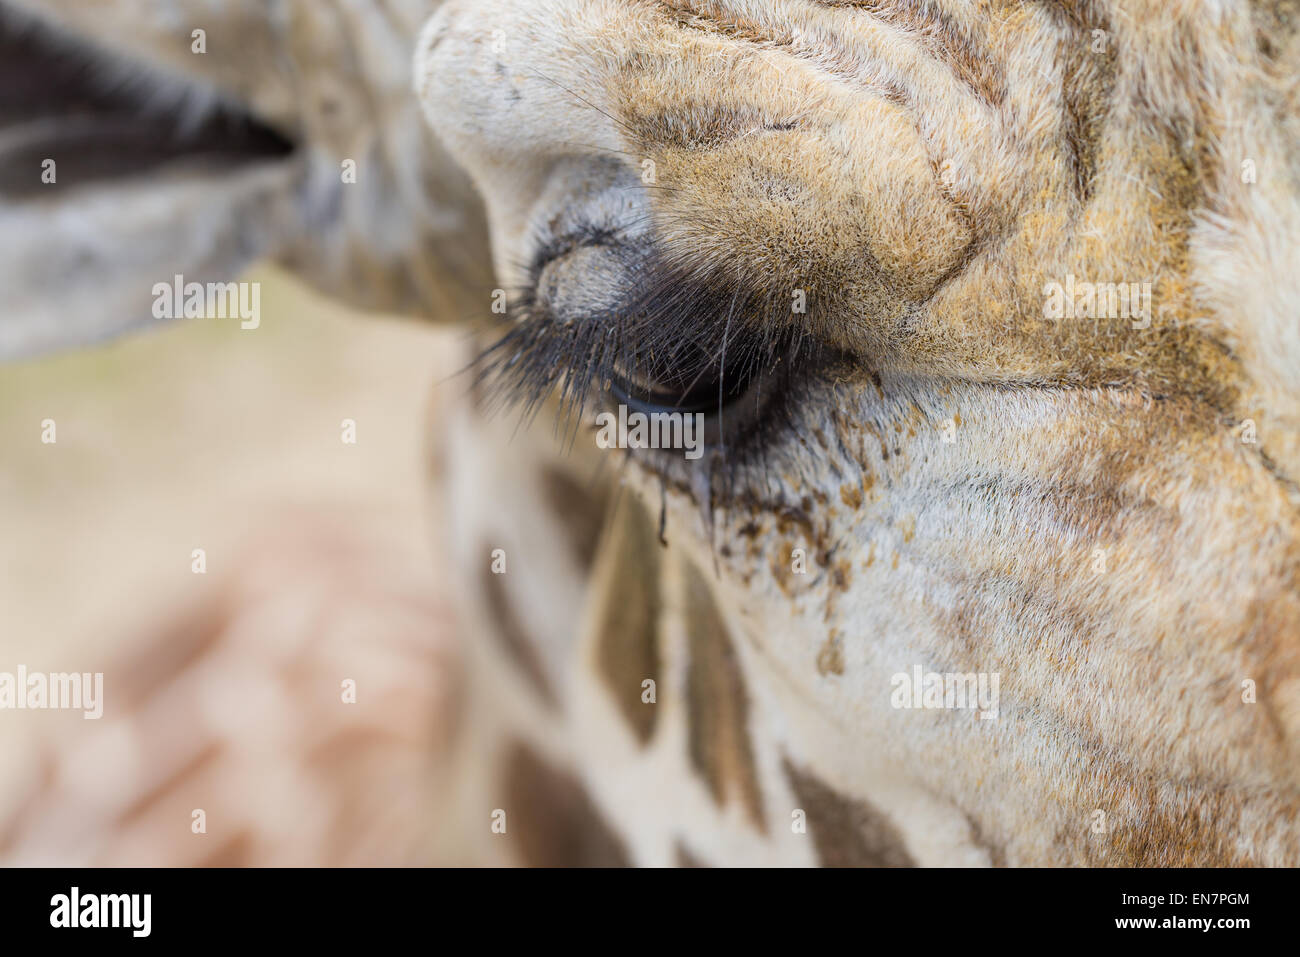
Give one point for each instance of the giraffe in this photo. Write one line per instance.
(1005, 289)
(989, 481)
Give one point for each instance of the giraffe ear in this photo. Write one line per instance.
(83, 270)
(131, 155)
(115, 177)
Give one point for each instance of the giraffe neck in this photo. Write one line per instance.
(622, 711)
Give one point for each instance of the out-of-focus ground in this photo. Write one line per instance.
(222, 691)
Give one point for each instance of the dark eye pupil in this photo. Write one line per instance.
(687, 376)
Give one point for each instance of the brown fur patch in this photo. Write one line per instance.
(685, 858)
(552, 819)
(512, 636)
(848, 833)
(1151, 823)
(1088, 82)
(942, 38)
(830, 659)
(997, 852)
(627, 615)
(1276, 23)
(835, 61)
(580, 509)
(718, 706)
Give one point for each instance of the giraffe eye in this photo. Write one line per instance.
(609, 321)
(688, 376)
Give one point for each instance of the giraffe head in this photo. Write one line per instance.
(985, 308)
(141, 140)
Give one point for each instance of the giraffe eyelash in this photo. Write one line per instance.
(671, 324)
